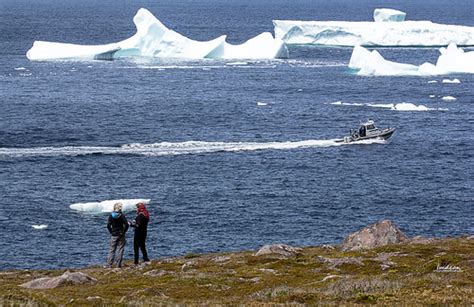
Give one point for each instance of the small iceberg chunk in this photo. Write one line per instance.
(451, 60)
(107, 205)
(384, 15)
(153, 39)
(39, 227)
(454, 81)
(449, 98)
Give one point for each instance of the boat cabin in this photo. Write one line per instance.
(368, 129)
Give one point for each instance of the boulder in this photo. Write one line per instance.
(67, 278)
(379, 234)
(280, 250)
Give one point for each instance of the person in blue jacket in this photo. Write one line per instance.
(117, 226)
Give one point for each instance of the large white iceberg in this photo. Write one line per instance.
(451, 60)
(389, 15)
(108, 205)
(153, 39)
(393, 32)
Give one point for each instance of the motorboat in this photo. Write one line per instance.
(367, 131)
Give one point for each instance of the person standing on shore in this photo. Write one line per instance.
(117, 226)
(140, 224)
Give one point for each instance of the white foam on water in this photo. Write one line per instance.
(108, 205)
(403, 106)
(20, 68)
(433, 81)
(432, 96)
(261, 103)
(237, 63)
(42, 226)
(449, 98)
(165, 148)
(454, 81)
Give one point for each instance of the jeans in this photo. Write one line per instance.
(116, 249)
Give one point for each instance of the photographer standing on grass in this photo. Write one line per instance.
(140, 224)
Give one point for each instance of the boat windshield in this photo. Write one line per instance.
(370, 127)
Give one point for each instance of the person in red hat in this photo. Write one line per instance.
(140, 224)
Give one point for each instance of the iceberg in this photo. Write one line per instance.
(449, 98)
(153, 39)
(389, 15)
(39, 227)
(451, 60)
(454, 81)
(388, 30)
(108, 205)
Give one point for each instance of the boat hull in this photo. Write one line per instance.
(384, 135)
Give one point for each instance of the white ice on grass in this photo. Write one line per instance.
(451, 60)
(389, 15)
(153, 39)
(108, 205)
(42, 226)
(454, 81)
(369, 33)
(403, 106)
(449, 98)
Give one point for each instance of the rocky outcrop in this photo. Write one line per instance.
(279, 250)
(421, 240)
(379, 234)
(67, 278)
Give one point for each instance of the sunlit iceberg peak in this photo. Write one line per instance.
(154, 39)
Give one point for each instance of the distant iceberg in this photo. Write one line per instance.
(153, 39)
(107, 205)
(389, 15)
(389, 29)
(451, 60)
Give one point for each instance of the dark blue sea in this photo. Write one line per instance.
(232, 154)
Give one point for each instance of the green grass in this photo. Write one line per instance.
(242, 278)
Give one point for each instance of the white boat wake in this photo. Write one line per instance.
(171, 149)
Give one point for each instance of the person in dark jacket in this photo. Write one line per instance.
(140, 224)
(117, 226)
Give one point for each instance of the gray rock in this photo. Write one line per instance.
(157, 273)
(334, 262)
(421, 240)
(379, 234)
(221, 259)
(280, 250)
(67, 278)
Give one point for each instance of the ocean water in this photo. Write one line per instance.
(233, 154)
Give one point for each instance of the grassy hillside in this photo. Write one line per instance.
(402, 273)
